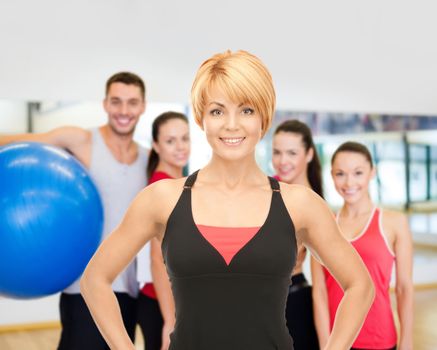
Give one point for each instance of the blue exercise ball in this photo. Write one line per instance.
(51, 219)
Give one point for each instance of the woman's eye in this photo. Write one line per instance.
(216, 112)
(248, 111)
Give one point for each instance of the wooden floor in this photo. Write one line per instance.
(425, 320)
(41, 340)
(425, 329)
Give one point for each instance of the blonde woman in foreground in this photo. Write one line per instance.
(229, 233)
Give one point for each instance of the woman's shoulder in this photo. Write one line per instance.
(392, 215)
(299, 199)
(303, 203)
(162, 192)
(393, 218)
(296, 192)
(161, 197)
(167, 185)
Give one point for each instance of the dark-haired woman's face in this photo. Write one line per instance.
(173, 145)
(290, 158)
(352, 172)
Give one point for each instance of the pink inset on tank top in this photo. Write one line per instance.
(228, 241)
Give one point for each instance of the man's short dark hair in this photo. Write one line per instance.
(128, 79)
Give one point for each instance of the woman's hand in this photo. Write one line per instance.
(166, 331)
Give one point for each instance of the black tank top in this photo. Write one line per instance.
(240, 306)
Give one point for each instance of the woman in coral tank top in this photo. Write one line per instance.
(382, 238)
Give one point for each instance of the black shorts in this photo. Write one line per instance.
(299, 315)
(79, 331)
(150, 321)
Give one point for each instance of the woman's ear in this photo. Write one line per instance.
(155, 147)
(310, 155)
(373, 172)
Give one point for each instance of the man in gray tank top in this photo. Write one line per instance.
(117, 165)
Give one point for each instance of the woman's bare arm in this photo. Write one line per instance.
(320, 303)
(162, 286)
(403, 249)
(144, 219)
(317, 229)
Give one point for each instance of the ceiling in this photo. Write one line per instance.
(339, 55)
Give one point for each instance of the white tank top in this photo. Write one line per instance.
(118, 184)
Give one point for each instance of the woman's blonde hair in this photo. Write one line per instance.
(242, 77)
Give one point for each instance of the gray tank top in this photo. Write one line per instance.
(118, 184)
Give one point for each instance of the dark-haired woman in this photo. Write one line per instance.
(295, 161)
(169, 155)
(382, 239)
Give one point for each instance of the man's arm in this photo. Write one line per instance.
(74, 139)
